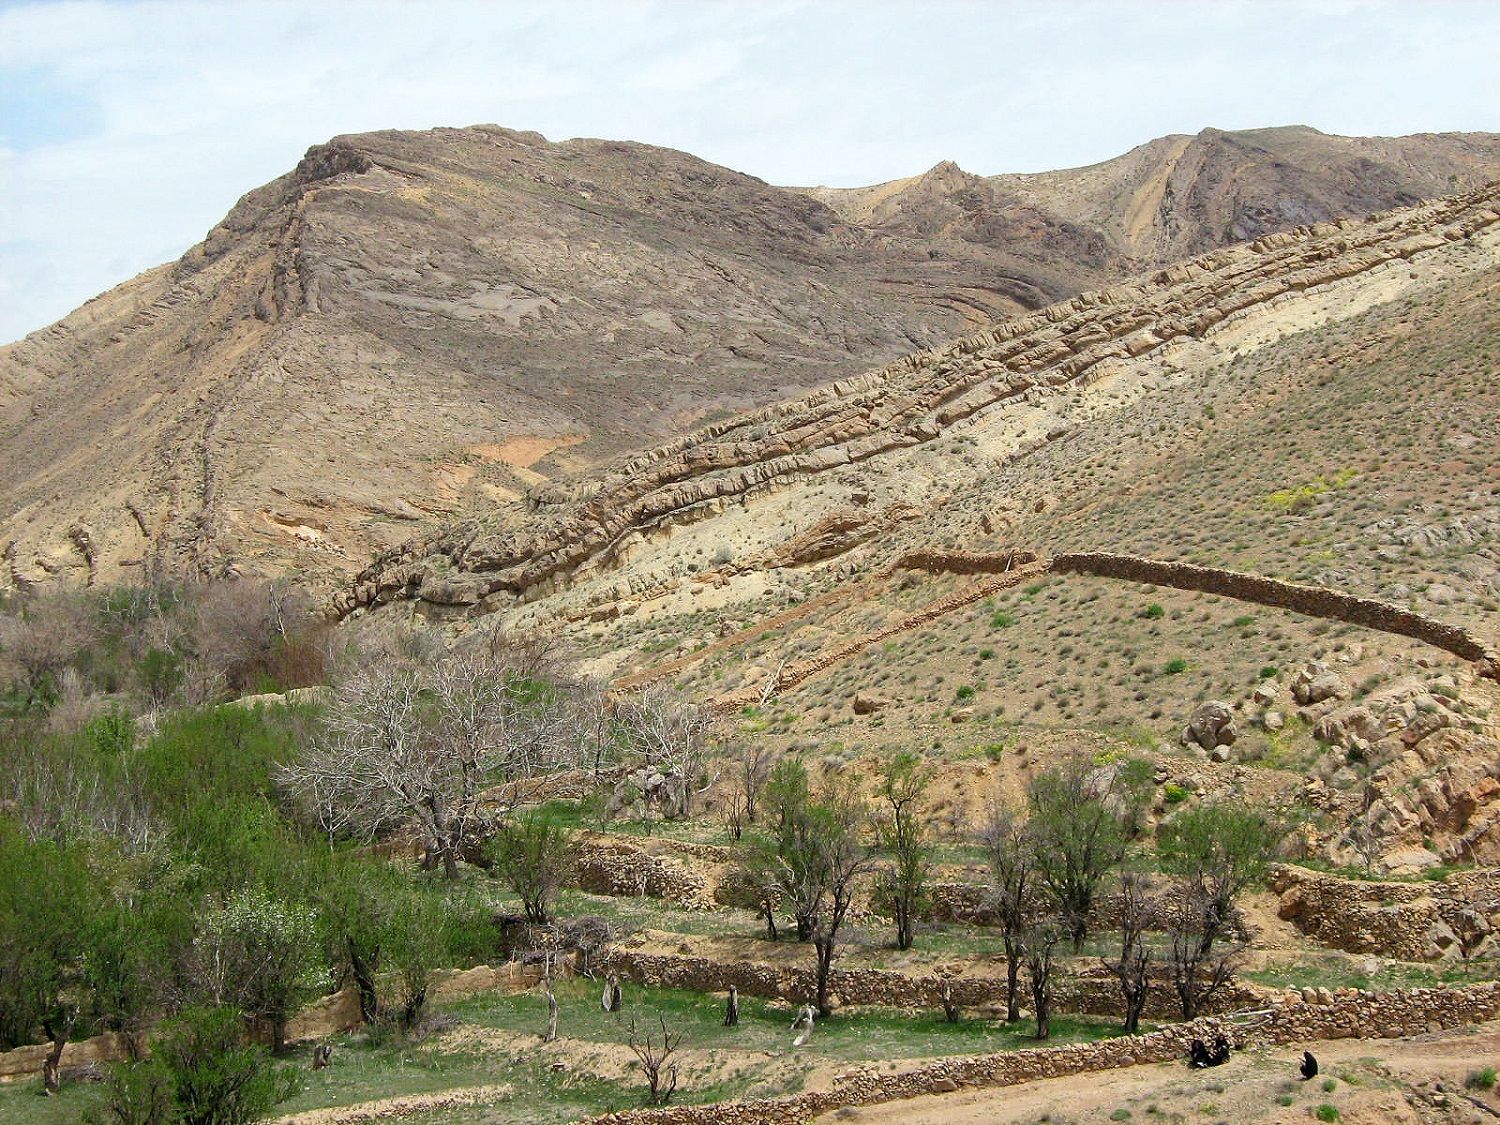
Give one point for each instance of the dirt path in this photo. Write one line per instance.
(386, 1109)
(1371, 1083)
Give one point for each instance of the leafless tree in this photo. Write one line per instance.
(843, 858)
(655, 1058)
(1132, 967)
(670, 738)
(1042, 939)
(431, 745)
(1200, 962)
(1013, 878)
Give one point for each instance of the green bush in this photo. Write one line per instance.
(1483, 1079)
(1327, 1112)
(1175, 665)
(1153, 611)
(965, 692)
(215, 1077)
(1001, 620)
(1174, 794)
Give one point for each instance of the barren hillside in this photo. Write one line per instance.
(412, 327)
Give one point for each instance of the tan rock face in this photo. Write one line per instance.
(412, 327)
(1029, 362)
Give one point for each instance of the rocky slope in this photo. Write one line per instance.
(870, 562)
(411, 327)
(1178, 196)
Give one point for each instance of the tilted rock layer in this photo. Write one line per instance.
(413, 326)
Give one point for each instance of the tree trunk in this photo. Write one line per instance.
(824, 947)
(904, 927)
(770, 914)
(58, 1032)
(1041, 1000)
(732, 1008)
(1012, 981)
(364, 982)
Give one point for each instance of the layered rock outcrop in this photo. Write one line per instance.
(589, 526)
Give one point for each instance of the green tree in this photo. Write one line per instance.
(904, 833)
(48, 903)
(215, 1077)
(1079, 829)
(534, 856)
(260, 954)
(1217, 851)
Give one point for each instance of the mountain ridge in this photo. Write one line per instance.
(410, 327)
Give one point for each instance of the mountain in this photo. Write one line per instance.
(1258, 485)
(411, 328)
(1178, 196)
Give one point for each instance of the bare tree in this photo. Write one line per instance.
(1132, 967)
(431, 746)
(1042, 939)
(655, 1058)
(1013, 878)
(842, 858)
(670, 739)
(732, 1008)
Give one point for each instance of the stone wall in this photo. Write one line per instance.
(611, 866)
(1341, 1015)
(1423, 921)
(1092, 993)
(1314, 601)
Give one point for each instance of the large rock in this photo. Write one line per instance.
(1211, 726)
(1317, 684)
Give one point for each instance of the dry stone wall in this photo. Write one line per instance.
(1342, 1015)
(1089, 994)
(1408, 921)
(1314, 601)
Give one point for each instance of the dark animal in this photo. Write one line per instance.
(1309, 1067)
(1200, 1055)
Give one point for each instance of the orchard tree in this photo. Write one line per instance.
(1013, 879)
(534, 856)
(902, 888)
(1217, 851)
(1079, 829)
(426, 744)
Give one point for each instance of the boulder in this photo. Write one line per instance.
(1316, 684)
(1211, 726)
(863, 704)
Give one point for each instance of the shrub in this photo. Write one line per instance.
(1174, 793)
(1175, 665)
(965, 692)
(1001, 620)
(1269, 672)
(1327, 1112)
(1483, 1079)
(1153, 611)
(215, 1077)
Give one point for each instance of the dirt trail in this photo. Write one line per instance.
(1246, 1089)
(386, 1109)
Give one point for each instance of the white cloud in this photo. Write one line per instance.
(159, 114)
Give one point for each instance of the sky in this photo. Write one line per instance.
(129, 127)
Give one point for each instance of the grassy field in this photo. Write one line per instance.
(494, 1040)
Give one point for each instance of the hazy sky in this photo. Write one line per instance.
(128, 129)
